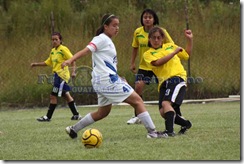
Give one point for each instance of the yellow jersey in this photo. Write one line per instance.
(140, 41)
(172, 68)
(56, 58)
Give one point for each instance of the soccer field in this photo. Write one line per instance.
(215, 135)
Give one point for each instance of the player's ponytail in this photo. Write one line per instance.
(106, 20)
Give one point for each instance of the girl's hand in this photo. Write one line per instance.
(33, 64)
(73, 74)
(188, 34)
(65, 63)
(133, 68)
(178, 49)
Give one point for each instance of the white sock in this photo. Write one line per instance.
(147, 121)
(84, 122)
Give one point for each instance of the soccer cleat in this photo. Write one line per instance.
(155, 134)
(134, 120)
(170, 134)
(70, 131)
(43, 119)
(185, 128)
(76, 117)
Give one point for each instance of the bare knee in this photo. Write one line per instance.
(68, 97)
(53, 99)
(166, 104)
(139, 87)
(135, 101)
(101, 113)
(166, 107)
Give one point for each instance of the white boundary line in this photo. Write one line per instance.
(203, 101)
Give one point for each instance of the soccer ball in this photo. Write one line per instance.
(92, 138)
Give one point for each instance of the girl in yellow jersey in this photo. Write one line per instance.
(59, 54)
(166, 65)
(140, 45)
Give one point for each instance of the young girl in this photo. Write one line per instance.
(140, 45)
(165, 63)
(109, 86)
(58, 54)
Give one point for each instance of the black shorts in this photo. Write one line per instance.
(172, 90)
(146, 76)
(60, 87)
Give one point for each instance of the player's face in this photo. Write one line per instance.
(156, 40)
(112, 29)
(148, 19)
(56, 41)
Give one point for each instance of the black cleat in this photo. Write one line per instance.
(185, 128)
(70, 131)
(170, 134)
(76, 117)
(43, 119)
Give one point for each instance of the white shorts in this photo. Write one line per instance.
(111, 92)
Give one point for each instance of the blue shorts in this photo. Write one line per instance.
(60, 87)
(172, 90)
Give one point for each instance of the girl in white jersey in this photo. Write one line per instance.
(109, 86)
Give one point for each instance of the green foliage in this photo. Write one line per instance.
(214, 135)
(26, 27)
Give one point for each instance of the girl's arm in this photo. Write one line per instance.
(165, 59)
(78, 55)
(38, 64)
(73, 68)
(189, 44)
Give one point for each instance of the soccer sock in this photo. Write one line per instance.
(73, 108)
(51, 110)
(147, 121)
(180, 120)
(85, 121)
(177, 109)
(169, 121)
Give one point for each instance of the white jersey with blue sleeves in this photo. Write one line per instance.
(104, 56)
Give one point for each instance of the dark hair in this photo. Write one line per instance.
(152, 31)
(106, 20)
(155, 17)
(59, 36)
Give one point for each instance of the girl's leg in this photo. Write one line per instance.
(89, 119)
(72, 105)
(137, 103)
(167, 111)
(139, 85)
(52, 106)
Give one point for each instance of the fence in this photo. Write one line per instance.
(214, 64)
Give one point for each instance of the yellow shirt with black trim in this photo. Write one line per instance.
(56, 58)
(140, 41)
(172, 68)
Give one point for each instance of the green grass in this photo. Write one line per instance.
(215, 135)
